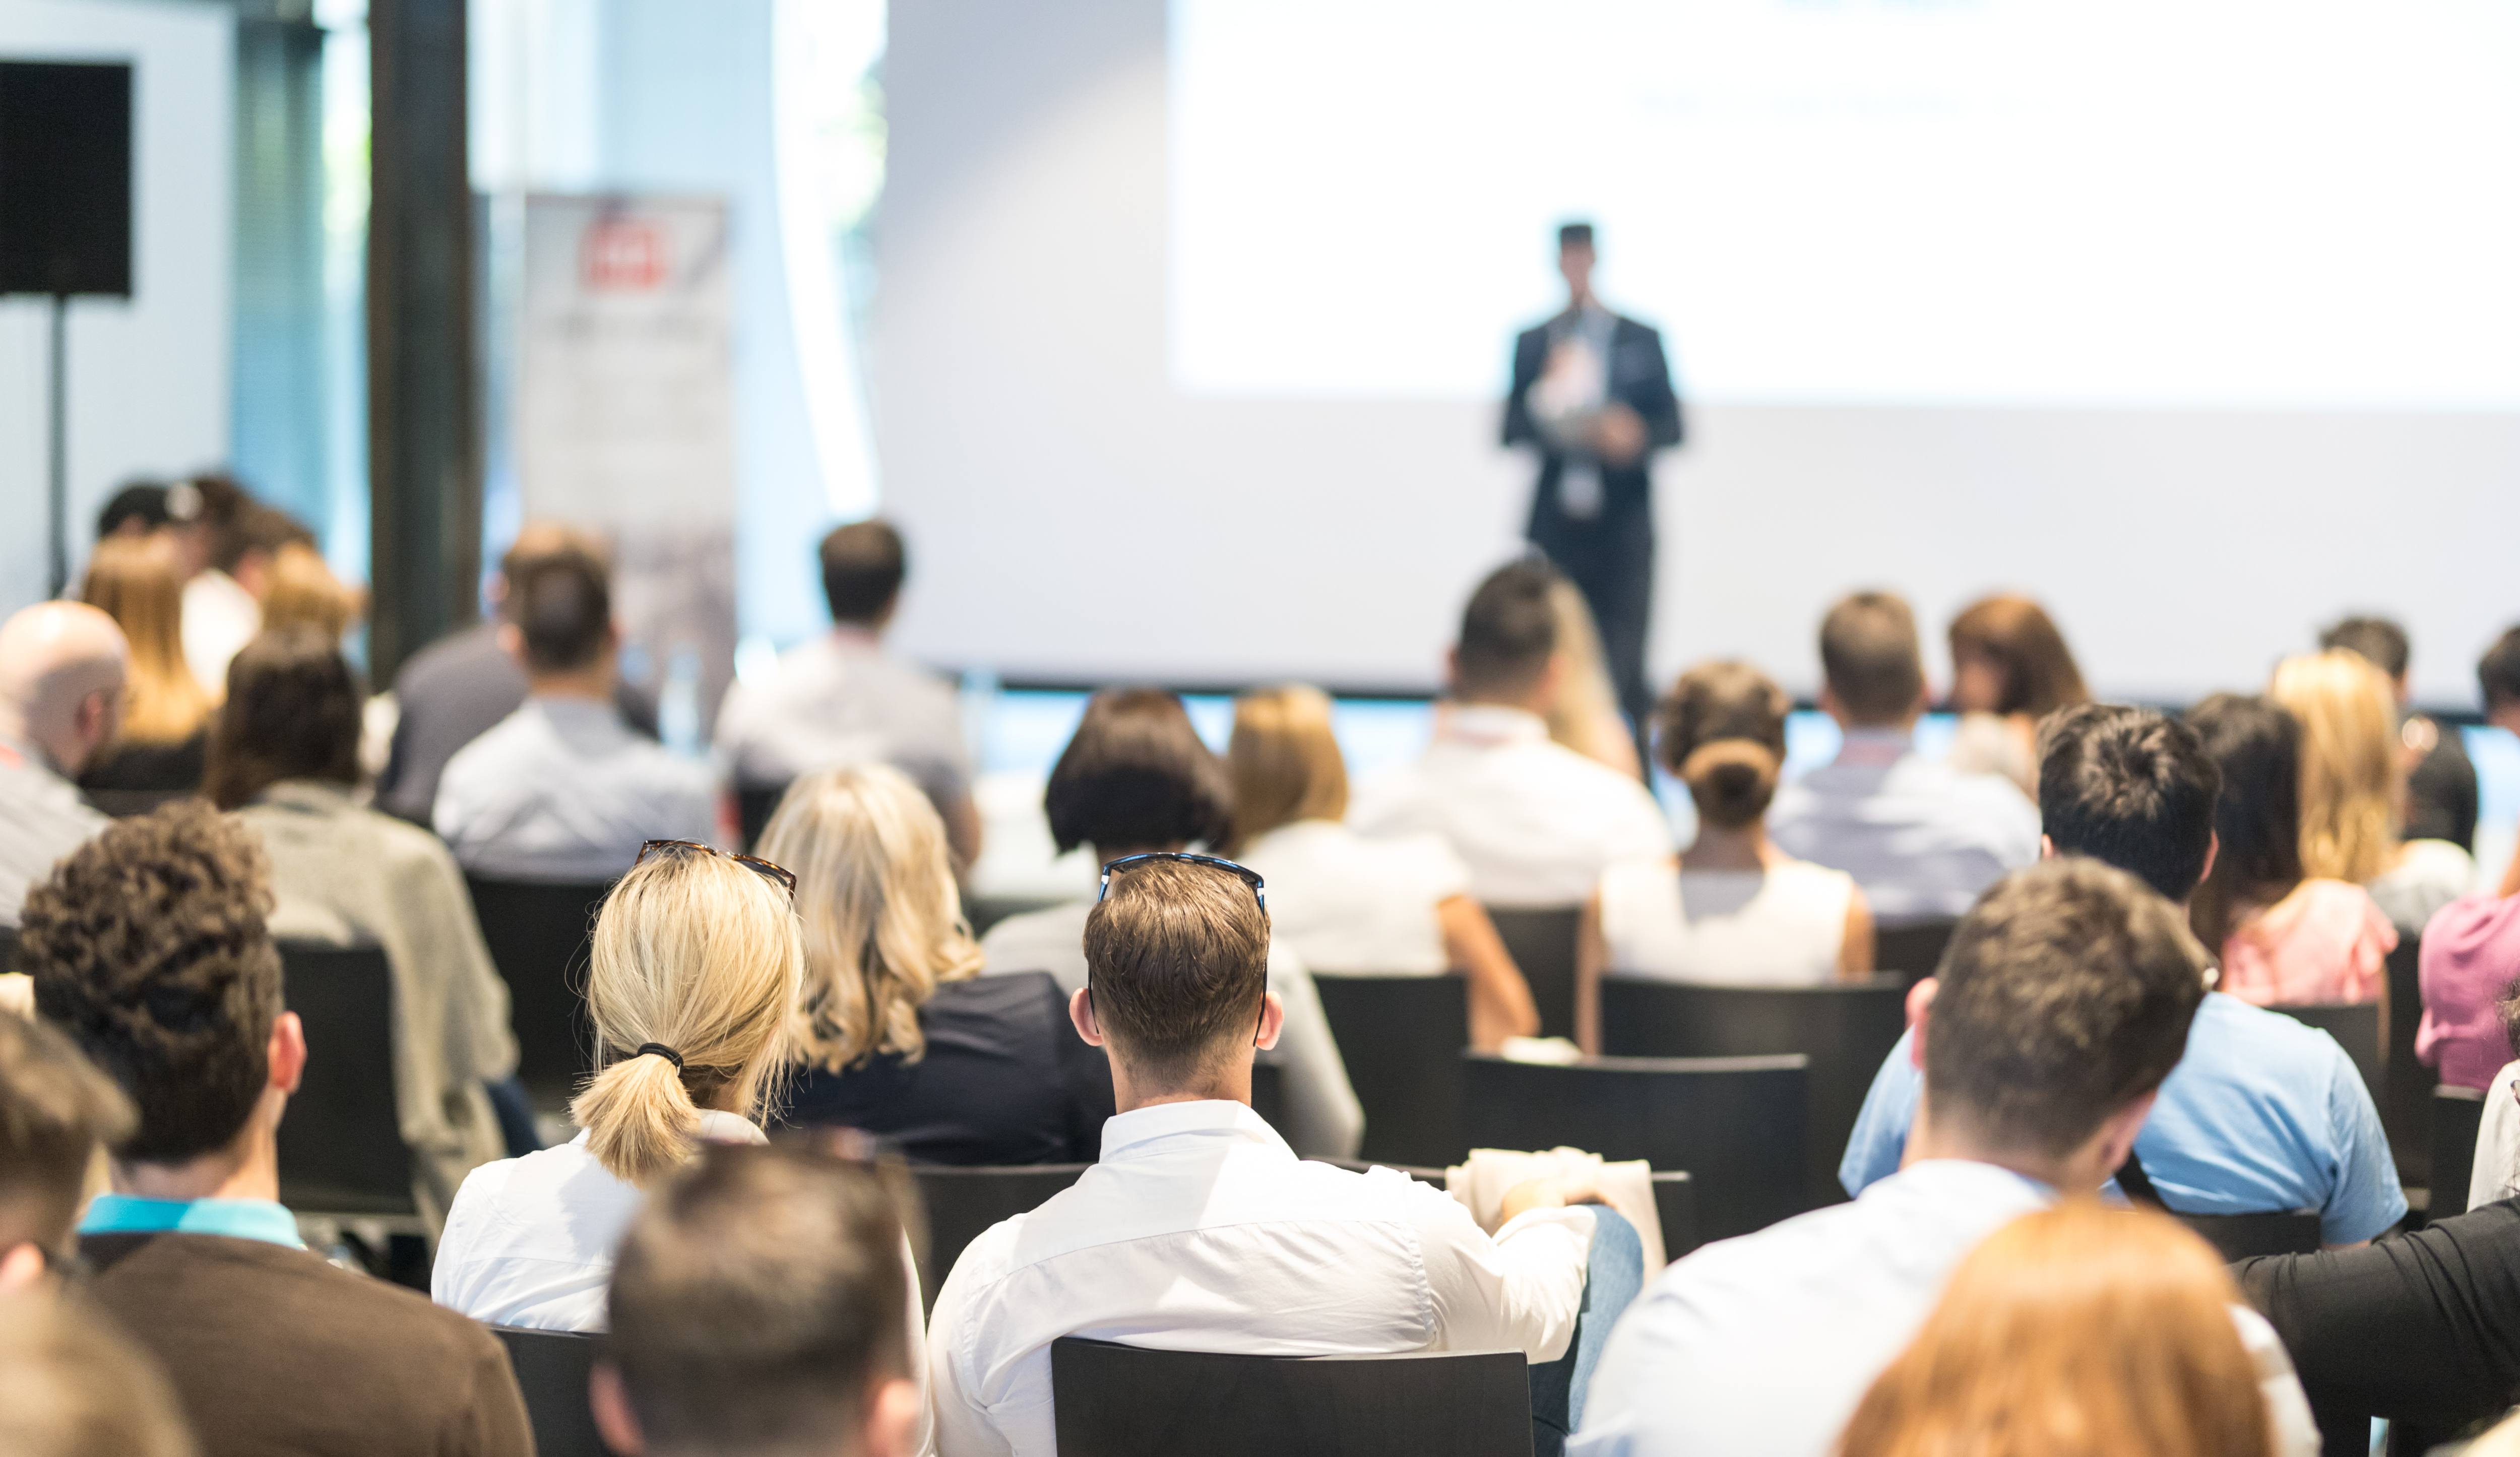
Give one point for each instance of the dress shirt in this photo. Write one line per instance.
(2326, 942)
(1766, 1344)
(1323, 1120)
(1921, 839)
(1199, 1230)
(563, 789)
(838, 701)
(42, 819)
(236, 1218)
(2493, 1174)
(220, 617)
(2262, 1113)
(2470, 957)
(1535, 821)
(451, 693)
(1783, 925)
(1360, 907)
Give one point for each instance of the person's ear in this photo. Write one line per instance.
(615, 1421)
(1273, 1021)
(1920, 1007)
(287, 1052)
(1080, 1012)
(512, 641)
(892, 1420)
(1453, 670)
(1553, 679)
(2046, 848)
(2117, 1135)
(2213, 852)
(21, 1268)
(1830, 705)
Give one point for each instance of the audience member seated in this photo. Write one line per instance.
(1136, 779)
(57, 1112)
(284, 757)
(2440, 784)
(2470, 963)
(134, 512)
(1200, 1230)
(166, 714)
(757, 1312)
(2497, 679)
(2287, 939)
(897, 1034)
(1921, 839)
(303, 589)
(2353, 789)
(2010, 668)
(2077, 1332)
(1585, 715)
(462, 686)
(563, 789)
(2065, 1000)
(226, 548)
(841, 699)
(2134, 790)
(2495, 1170)
(1732, 909)
(150, 945)
(71, 1386)
(697, 960)
(1535, 821)
(63, 667)
(1352, 906)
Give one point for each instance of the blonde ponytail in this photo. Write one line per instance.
(639, 1119)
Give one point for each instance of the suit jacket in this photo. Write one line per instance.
(1640, 378)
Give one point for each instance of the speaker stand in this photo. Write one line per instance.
(61, 448)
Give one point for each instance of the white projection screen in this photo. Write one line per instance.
(2196, 319)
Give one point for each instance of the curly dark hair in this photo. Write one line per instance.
(149, 946)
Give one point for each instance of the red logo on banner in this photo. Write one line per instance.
(623, 253)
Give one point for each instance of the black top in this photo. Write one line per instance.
(1640, 378)
(2442, 795)
(1004, 1080)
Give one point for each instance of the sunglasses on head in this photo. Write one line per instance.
(785, 877)
(1244, 873)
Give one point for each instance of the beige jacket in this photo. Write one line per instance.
(346, 875)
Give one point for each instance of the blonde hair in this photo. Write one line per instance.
(699, 953)
(1285, 761)
(135, 581)
(1585, 717)
(2077, 1332)
(883, 919)
(2350, 773)
(304, 590)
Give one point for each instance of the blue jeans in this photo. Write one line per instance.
(1615, 1273)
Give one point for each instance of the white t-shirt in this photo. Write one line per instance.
(1779, 927)
(1352, 906)
(1536, 822)
(2429, 874)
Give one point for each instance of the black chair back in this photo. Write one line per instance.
(539, 936)
(1674, 1196)
(963, 1202)
(552, 1367)
(1737, 1125)
(1846, 1028)
(1913, 951)
(986, 911)
(1117, 1401)
(1402, 1039)
(2407, 1110)
(1541, 944)
(8, 949)
(755, 803)
(1268, 1092)
(2356, 1027)
(2456, 1114)
(340, 1145)
(2239, 1236)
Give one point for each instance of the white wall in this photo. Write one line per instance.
(148, 377)
(1072, 514)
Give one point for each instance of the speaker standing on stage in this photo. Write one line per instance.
(1593, 391)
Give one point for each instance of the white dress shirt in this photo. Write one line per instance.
(1323, 1120)
(1920, 838)
(1783, 925)
(839, 701)
(1199, 1230)
(1766, 1344)
(1349, 905)
(563, 789)
(42, 819)
(1536, 822)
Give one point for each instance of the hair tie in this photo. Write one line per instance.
(660, 1050)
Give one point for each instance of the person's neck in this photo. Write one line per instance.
(871, 634)
(1535, 702)
(1741, 847)
(1230, 1084)
(2067, 1175)
(592, 685)
(247, 1169)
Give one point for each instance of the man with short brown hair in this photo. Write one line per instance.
(1200, 1230)
(55, 1111)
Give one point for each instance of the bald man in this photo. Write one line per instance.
(62, 667)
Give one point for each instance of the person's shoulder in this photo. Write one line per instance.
(401, 845)
(1005, 999)
(458, 655)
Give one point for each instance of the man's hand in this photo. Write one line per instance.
(1546, 1194)
(1618, 435)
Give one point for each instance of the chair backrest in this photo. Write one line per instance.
(8, 949)
(2407, 1110)
(1734, 1123)
(551, 1371)
(1116, 1400)
(755, 803)
(2457, 1114)
(340, 1145)
(539, 936)
(963, 1202)
(1846, 1028)
(1402, 1039)
(1268, 1092)
(1674, 1196)
(1543, 944)
(2240, 1235)
(1913, 951)
(2356, 1027)
(986, 911)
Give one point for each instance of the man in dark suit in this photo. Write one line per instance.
(1593, 391)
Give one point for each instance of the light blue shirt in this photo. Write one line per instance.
(2262, 1113)
(236, 1218)
(563, 789)
(1920, 838)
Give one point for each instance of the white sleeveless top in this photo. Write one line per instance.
(1781, 927)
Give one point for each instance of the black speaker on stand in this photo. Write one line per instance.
(64, 217)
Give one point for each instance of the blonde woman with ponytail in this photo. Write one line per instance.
(693, 981)
(1732, 909)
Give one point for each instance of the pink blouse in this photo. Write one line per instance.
(2324, 943)
(2471, 955)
